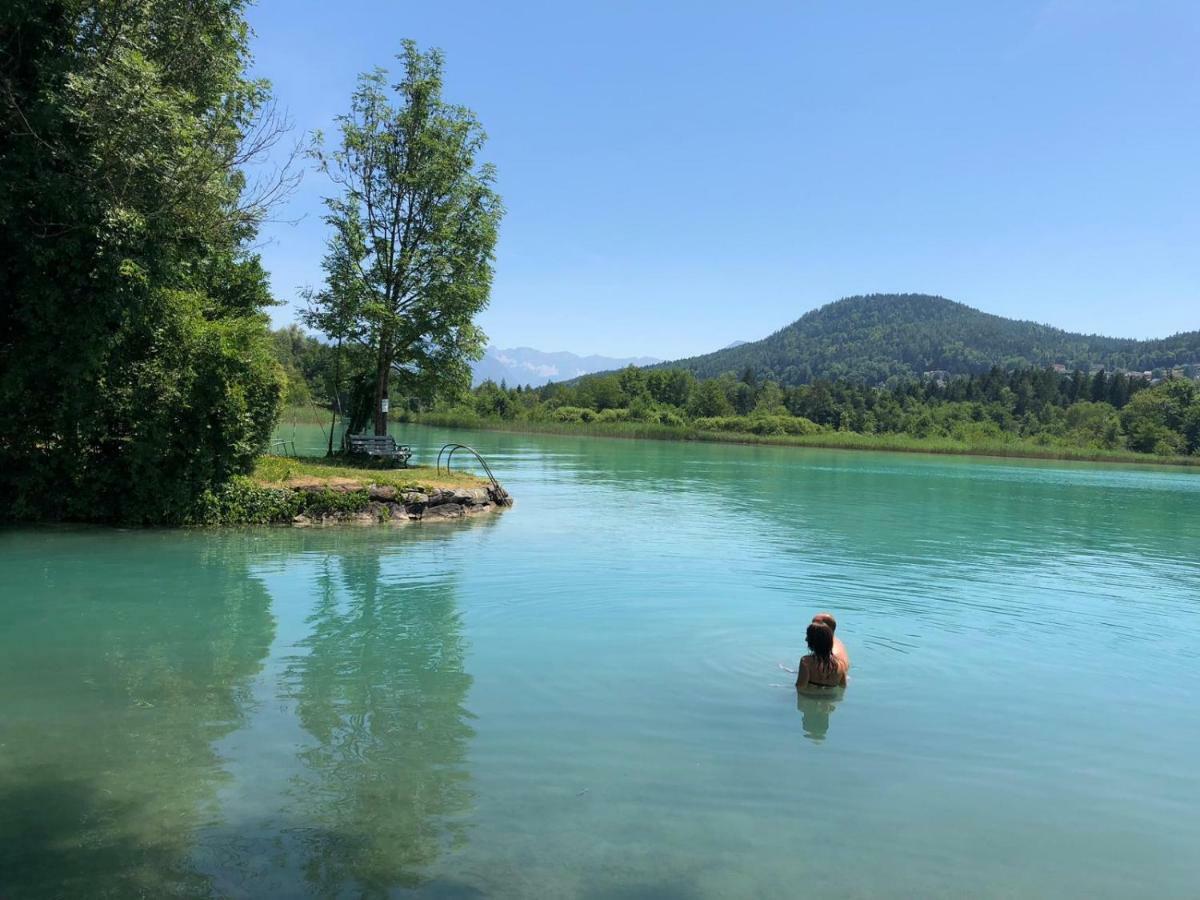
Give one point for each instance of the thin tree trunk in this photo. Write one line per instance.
(381, 392)
(337, 392)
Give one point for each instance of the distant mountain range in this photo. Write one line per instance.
(869, 339)
(524, 365)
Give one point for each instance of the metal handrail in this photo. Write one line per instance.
(449, 450)
(284, 445)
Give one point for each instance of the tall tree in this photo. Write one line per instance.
(414, 230)
(335, 310)
(135, 364)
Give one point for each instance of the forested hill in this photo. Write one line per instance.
(868, 339)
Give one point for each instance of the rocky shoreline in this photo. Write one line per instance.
(385, 504)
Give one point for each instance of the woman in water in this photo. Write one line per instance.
(822, 667)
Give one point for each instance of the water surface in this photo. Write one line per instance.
(580, 697)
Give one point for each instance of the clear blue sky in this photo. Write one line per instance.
(679, 175)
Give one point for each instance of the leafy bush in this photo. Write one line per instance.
(334, 502)
(1093, 424)
(1164, 420)
(782, 424)
(612, 415)
(765, 425)
(243, 501)
(572, 414)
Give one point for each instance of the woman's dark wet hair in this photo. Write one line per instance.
(819, 638)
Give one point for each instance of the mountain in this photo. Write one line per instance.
(733, 344)
(524, 365)
(868, 339)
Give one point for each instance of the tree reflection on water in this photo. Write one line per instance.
(381, 688)
(123, 661)
(142, 749)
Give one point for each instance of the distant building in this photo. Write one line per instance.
(1059, 368)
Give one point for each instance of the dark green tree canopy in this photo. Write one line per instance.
(135, 367)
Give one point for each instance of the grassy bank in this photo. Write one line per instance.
(283, 490)
(833, 440)
(290, 471)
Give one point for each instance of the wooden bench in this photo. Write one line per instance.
(379, 446)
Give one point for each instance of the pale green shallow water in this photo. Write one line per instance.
(579, 697)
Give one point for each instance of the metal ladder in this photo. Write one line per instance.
(501, 495)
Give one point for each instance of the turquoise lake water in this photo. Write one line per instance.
(580, 697)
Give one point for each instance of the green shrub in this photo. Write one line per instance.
(572, 414)
(717, 423)
(612, 415)
(782, 424)
(333, 502)
(760, 424)
(243, 501)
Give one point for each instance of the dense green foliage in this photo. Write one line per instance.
(409, 264)
(884, 336)
(1038, 406)
(309, 366)
(136, 372)
(1088, 411)
(244, 501)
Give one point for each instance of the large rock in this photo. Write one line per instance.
(382, 492)
(469, 496)
(319, 485)
(443, 511)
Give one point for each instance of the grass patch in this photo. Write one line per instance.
(1016, 448)
(277, 471)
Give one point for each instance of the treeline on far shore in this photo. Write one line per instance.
(1035, 408)
(1029, 412)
